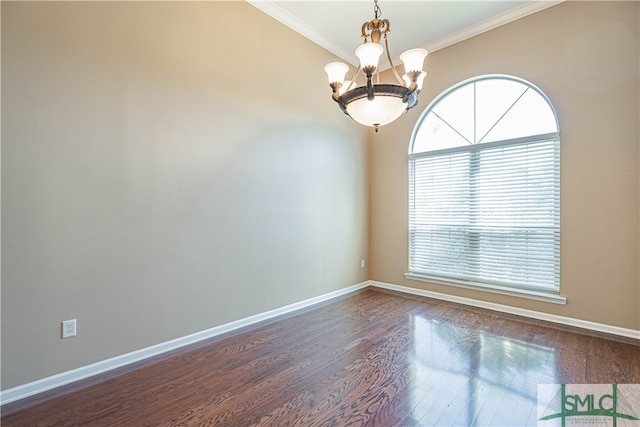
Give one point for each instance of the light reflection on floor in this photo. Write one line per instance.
(475, 377)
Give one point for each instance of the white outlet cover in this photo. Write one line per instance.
(69, 328)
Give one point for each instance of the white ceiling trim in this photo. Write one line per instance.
(281, 15)
(514, 14)
(297, 25)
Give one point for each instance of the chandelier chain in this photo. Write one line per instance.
(376, 9)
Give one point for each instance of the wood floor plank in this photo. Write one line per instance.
(373, 358)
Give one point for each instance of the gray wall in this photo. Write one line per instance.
(167, 167)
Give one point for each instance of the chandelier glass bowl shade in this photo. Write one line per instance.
(376, 104)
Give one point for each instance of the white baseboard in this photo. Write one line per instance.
(584, 324)
(68, 377)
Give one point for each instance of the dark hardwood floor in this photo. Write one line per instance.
(371, 358)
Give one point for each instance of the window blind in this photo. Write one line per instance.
(487, 214)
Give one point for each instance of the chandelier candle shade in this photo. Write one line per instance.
(377, 104)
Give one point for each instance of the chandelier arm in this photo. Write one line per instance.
(353, 79)
(366, 26)
(369, 70)
(385, 27)
(393, 68)
(335, 86)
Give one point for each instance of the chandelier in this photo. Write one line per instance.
(376, 104)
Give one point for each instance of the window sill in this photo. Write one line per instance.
(522, 293)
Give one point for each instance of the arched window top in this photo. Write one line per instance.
(482, 110)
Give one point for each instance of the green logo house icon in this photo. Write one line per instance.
(589, 404)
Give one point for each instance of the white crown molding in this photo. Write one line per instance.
(514, 14)
(281, 15)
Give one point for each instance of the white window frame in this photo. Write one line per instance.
(542, 294)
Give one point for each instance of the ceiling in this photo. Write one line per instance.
(431, 24)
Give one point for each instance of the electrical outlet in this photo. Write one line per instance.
(361, 263)
(69, 328)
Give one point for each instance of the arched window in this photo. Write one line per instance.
(484, 198)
